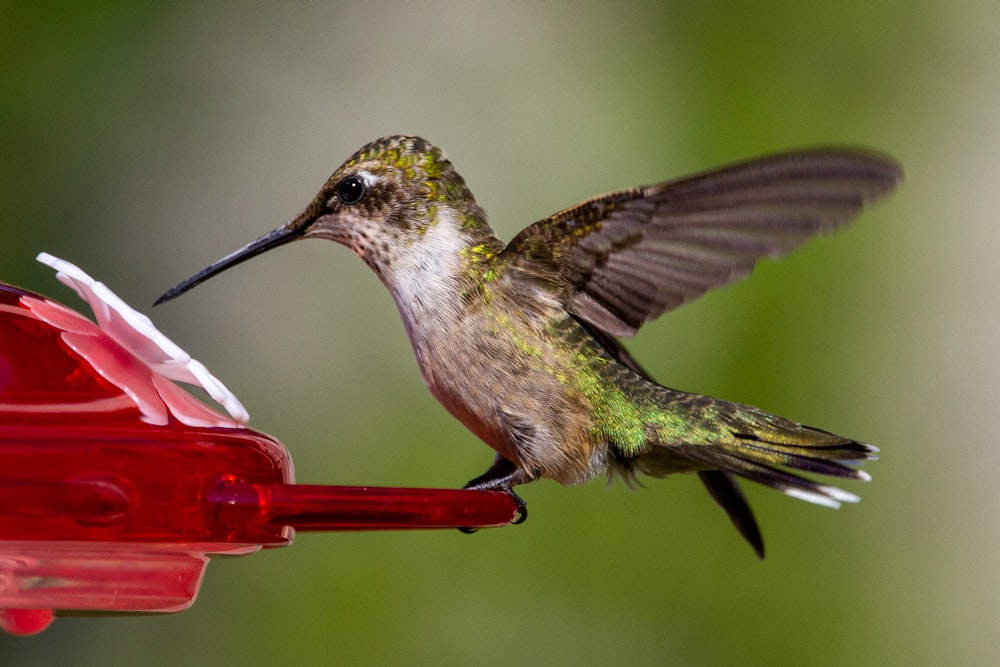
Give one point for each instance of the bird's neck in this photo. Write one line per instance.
(442, 265)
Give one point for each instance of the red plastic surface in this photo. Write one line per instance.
(102, 510)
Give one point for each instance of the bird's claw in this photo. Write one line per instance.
(521, 506)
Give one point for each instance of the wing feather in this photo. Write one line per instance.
(626, 257)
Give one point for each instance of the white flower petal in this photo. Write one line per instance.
(137, 332)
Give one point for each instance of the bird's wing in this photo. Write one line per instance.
(626, 257)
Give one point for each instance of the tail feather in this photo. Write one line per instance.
(724, 490)
(765, 448)
(834, 461)
(763, 444)
(760, 445)
(763, 464)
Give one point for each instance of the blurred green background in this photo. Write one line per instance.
(144, 140)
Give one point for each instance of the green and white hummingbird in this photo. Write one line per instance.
(520, 341)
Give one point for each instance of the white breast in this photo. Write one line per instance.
(425, 282)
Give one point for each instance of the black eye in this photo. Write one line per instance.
(350, 190)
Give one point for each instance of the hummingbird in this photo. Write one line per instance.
(521, 341)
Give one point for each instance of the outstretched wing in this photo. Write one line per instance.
(626, 257)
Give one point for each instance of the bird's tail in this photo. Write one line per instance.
(720, 440)
(746, 442)
(765, 448)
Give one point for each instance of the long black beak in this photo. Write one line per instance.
(280, 236)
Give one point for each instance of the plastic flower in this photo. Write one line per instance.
(127, 350)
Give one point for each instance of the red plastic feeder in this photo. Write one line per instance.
(117, 487)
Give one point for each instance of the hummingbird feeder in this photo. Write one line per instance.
(117, 486)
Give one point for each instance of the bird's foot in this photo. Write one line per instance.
(522, 507)
(502, 476)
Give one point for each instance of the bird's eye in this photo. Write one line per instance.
(351, 190)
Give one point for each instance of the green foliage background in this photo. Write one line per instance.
(144, 140)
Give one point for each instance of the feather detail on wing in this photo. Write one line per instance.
(626, 257)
